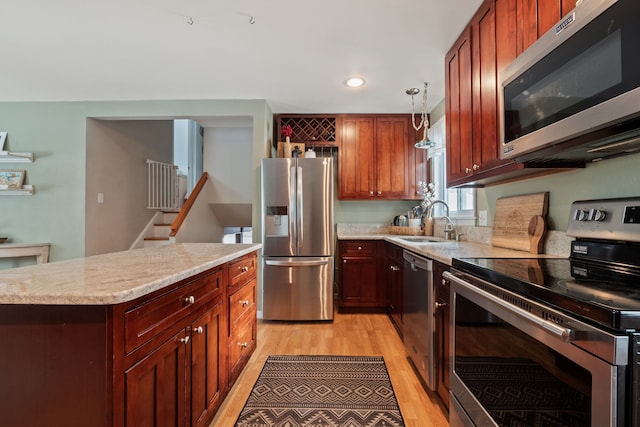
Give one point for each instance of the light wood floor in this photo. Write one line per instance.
(348, 334)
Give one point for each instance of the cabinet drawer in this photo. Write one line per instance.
(242, 269)
(242, 301)
(358, 248)
(242, 343)
(143, 322)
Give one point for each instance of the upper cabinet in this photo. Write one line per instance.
(498, 32)
(314, 130)
(377, 158)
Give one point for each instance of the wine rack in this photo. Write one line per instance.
(312, 130)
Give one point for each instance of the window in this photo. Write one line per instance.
(461, 201)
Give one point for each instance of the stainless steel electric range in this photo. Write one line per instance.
(545, 341)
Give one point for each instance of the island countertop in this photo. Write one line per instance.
(116, 277)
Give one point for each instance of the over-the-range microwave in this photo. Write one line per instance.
(574, 95)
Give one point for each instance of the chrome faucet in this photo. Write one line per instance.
(450, 231)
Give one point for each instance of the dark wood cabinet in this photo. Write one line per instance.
(314, 130)
(443, 333)
(242, 309)
(208, 364)
(360, 286)
(498, 33)
(394, 264)
(377, 158)
(473, 148)
(160, 359)
(155, 391)
(458, 109)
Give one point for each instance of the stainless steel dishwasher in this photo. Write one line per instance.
(418, 300)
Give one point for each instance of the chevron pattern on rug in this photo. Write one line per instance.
(340, 391)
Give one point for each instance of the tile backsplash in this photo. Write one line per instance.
(556, 243)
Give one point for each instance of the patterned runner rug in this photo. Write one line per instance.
(340, 391)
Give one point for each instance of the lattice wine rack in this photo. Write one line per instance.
(312, 130)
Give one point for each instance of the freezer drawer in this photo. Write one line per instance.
(299, 288)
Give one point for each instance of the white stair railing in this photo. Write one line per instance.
(162, 184)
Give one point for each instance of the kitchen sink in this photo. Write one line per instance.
(422, 239)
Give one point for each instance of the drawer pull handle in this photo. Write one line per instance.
(244, 302)
(245, 269)
(185, 340)
(243, 344)
(440, 304)
(395, 268)
(198, 330)
(359, 248)
(190, 299)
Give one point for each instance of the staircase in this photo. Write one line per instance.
(161, 230)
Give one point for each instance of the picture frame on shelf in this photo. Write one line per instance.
(3, 138)
(11, 179)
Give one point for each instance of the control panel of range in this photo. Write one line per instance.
(610, 219)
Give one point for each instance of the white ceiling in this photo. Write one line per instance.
(296, 55)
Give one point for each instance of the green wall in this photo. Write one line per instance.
(56, 133)
(619, 177)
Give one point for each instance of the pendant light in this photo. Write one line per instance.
(424, 143)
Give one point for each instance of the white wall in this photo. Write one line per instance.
(117, 151)
(227, 159)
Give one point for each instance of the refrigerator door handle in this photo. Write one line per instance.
(293, 212)
(299, 209)
(308, 263)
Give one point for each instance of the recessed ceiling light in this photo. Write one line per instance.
(355, 82)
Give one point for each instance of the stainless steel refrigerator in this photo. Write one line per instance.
(297, 239)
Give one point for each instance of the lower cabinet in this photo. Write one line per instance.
(208, 365)
(442, 328)
(394, 264)
(155, 391)
(165, 359)
(359, 280)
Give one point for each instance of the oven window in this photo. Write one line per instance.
(517, 380)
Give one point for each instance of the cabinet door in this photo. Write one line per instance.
(394, 158)
(394, 266)
(359, 282)
(486, 135)
(208, 371)
(356, 168)
(155, 387)
(443, 330)
(359, 285)
(458, 107)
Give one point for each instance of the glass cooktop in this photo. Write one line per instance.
(607, 295)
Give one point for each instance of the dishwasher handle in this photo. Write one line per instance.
(417, 262)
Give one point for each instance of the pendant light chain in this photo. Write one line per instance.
(423, 116)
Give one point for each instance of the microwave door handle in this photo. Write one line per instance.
(563, 334)
(299, 208)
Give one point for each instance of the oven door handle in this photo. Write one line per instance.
(563, 334)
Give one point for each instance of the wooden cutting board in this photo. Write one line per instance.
(519, 222)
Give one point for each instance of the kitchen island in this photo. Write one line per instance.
(152, 336)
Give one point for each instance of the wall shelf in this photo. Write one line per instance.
(7, 157)
(26, 190)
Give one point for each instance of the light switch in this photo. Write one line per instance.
(482, 218)
(100, 197)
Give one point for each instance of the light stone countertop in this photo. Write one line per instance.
(444, 250)
(116, 277)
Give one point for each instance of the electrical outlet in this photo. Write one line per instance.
(482, 218)
(100, 197)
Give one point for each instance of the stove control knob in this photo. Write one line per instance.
(581, 215)
(599, 215)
